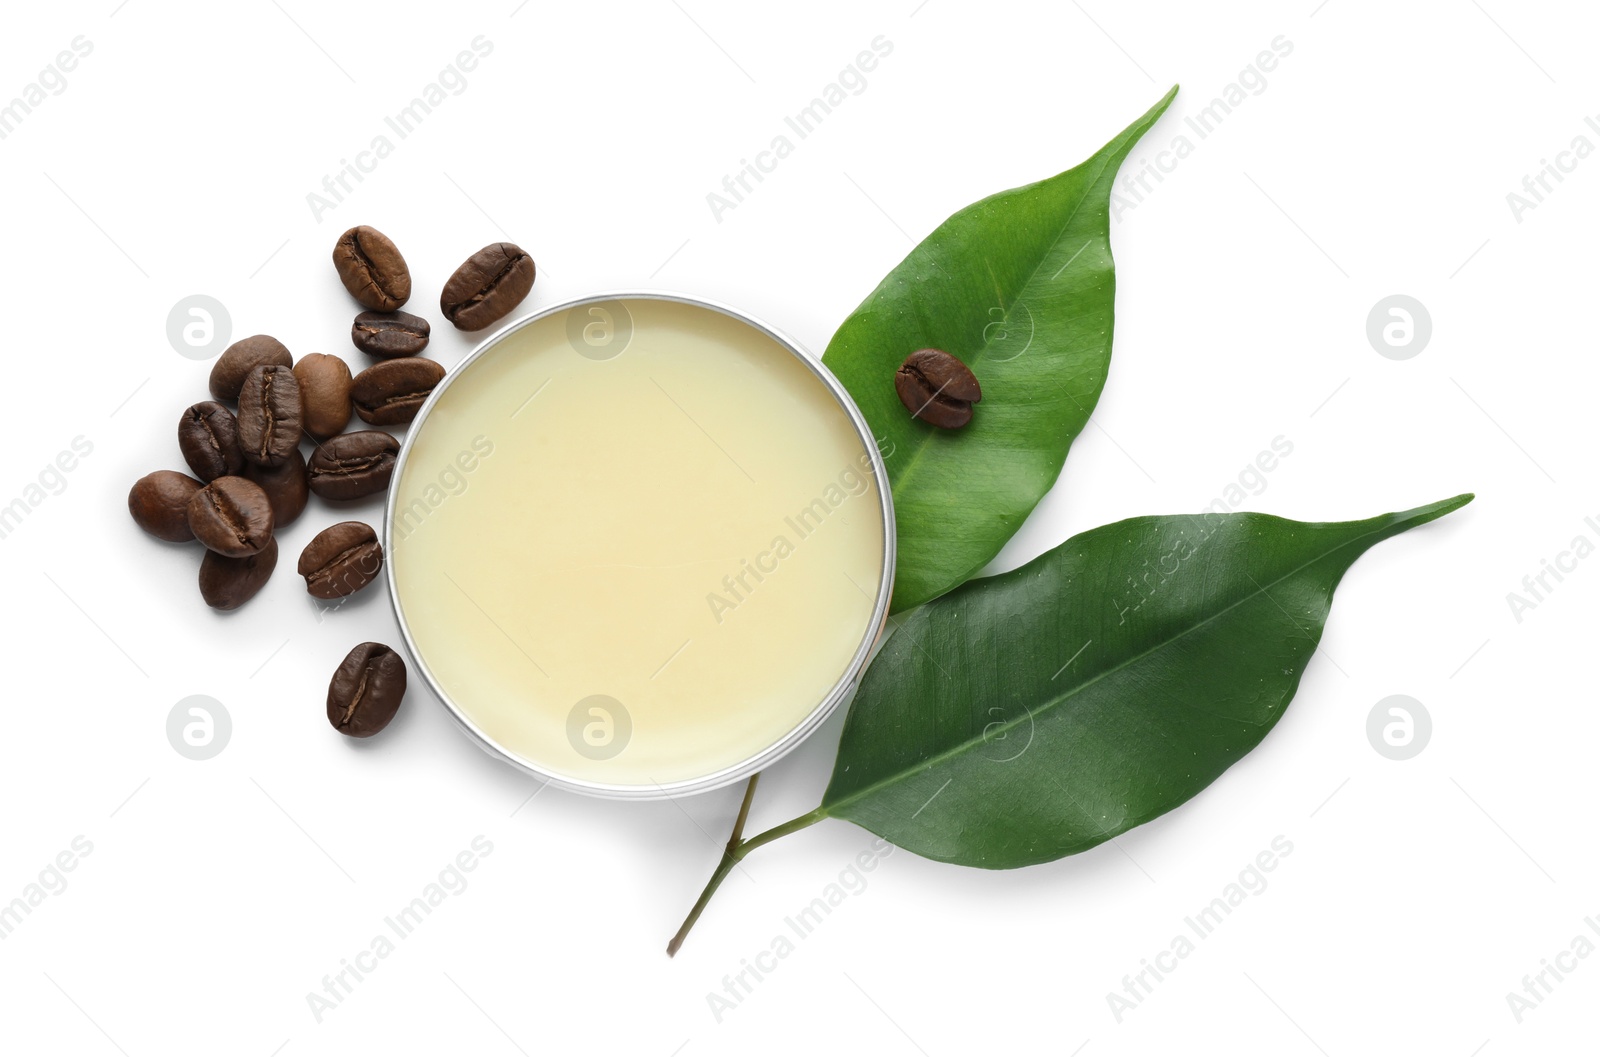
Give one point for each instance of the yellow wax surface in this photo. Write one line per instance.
(636, 567)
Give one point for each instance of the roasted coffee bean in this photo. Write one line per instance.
(489, 284)
(242, 357)
(390, 334)
(159, 503)
(341, 560)
(371, 268)
(324, 394)
(288, 487)
(937, 388)
(353, 465)
(390, 393)
(269, 415)
(231, 516)
(366, 691)
(208, 436)
(228, 583)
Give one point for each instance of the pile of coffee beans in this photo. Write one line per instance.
(251, 477)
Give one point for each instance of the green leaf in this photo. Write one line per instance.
(1034, 714)
(1020, 286)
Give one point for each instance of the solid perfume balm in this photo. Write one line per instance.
(639, 544)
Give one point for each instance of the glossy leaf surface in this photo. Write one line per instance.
(1035, 714)
(1020, 287)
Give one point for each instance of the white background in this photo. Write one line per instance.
(1376, 161)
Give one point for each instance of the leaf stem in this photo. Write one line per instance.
(737, 850)
(744, 813)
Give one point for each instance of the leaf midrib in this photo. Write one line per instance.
(1050, 703)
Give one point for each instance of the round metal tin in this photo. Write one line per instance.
(767, 756)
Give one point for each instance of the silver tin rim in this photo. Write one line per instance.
(773, 752)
